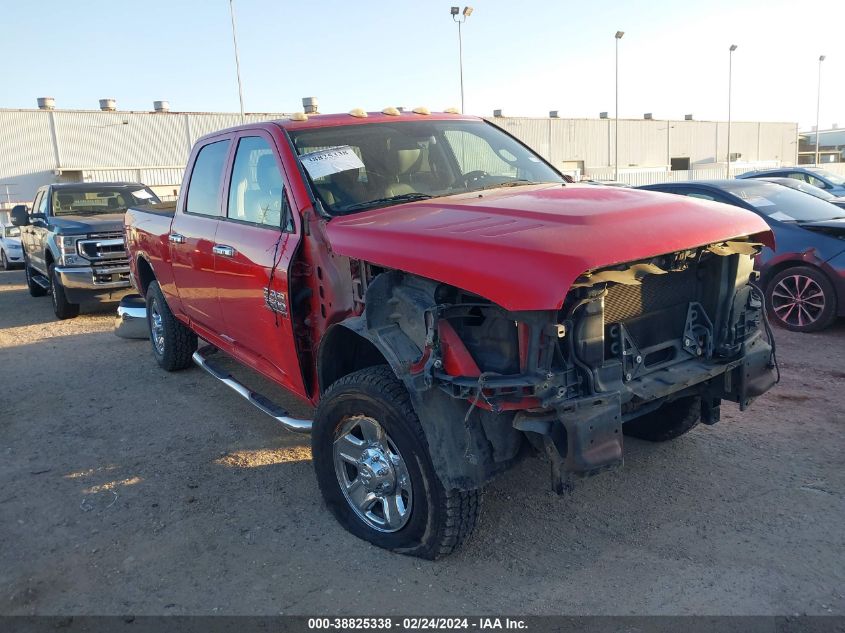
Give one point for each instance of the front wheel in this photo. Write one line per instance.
(801, 299)
(63, 308)
(4, 262)
(375, 472)
(173, 343)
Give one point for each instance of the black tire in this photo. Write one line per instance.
(668, 422)
(813, 289)
(175, 344)
(4, 261)
(63, 308)
(440, 519)
(35, 290)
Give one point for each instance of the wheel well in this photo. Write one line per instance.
(342, 352)
(48, 258)
(781, 266)
(145, 275)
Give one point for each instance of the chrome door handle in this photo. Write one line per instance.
(176, 238)
(223, 250)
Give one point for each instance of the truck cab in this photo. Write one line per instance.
(73, 245)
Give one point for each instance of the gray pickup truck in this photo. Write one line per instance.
(73, 241)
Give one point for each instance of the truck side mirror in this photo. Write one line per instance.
(19, 215)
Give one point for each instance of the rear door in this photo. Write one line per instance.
(193, 232)
(255, 243)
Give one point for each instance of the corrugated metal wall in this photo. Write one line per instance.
(96, 145)
(650, 143)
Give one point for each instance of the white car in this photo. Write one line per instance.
(11, 253)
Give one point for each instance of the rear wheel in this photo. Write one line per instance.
(801, 299)
(63, 308)
(375, 472)
(668, 422)
(35, 289)
(173, 343)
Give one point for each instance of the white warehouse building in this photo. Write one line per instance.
(46, 145)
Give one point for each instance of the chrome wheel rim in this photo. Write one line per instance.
(156, 328)
(372, 474)
(798, 300)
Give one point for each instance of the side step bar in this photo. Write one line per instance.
(256, 399)
(40, 279)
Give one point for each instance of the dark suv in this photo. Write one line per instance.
(73, 242)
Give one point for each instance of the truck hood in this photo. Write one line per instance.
(524, 247)
(85, 224)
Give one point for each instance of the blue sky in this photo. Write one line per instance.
(524, 57)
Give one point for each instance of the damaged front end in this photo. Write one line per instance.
(626, 341)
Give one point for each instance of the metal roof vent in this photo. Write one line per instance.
(687, 117)
(602, 115)
(498, 113)
(161, 106)
(46, 103)
(309, 105)
(553, 114)
(648, 116)
(108, 105)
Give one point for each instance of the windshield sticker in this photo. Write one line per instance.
(759, 201)
(93, 202)
(330, 161)
(780, 215)
(141, 194)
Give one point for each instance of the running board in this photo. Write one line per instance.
(256, 399)
(41, 280)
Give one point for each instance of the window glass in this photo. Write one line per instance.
(797, 175)
(782, 203)
(256, 192)
(42, 206)
(96, 199)
(204, 187)
(36, 203)
(700, 195)
(413, 160)
(821, 184)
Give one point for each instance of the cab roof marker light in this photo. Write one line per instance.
(421, 110)
(391, 111)
(452, 111)
(298, 116)
(358, 113)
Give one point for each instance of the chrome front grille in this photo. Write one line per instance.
(104, 248)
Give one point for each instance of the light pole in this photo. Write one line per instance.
(237, 59)
(460, 18)
(730, 68)
(818, 104)
(618, 37)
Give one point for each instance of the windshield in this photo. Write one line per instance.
(13, 231)
(356, 167)
(828, 175)
(782, 203)
(800, 185)
(100, 200)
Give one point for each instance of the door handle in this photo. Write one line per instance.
(223, 250)
(176, 238)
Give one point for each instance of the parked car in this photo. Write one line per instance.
(73, 241)
(802, 186)
(804, 276)
(834, 184)
(11, 252)
(445, 299)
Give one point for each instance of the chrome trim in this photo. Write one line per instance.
(131, 320)
(223, 250)
(255, 399)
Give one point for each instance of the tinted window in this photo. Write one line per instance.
(256, 192)
(204, 187)
(42, 206)
(782, 203)
(829, 175)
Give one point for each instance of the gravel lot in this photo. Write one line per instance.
(124, 489)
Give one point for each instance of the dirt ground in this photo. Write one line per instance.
(124, 489)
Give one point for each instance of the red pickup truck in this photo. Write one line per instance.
(448, 303)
